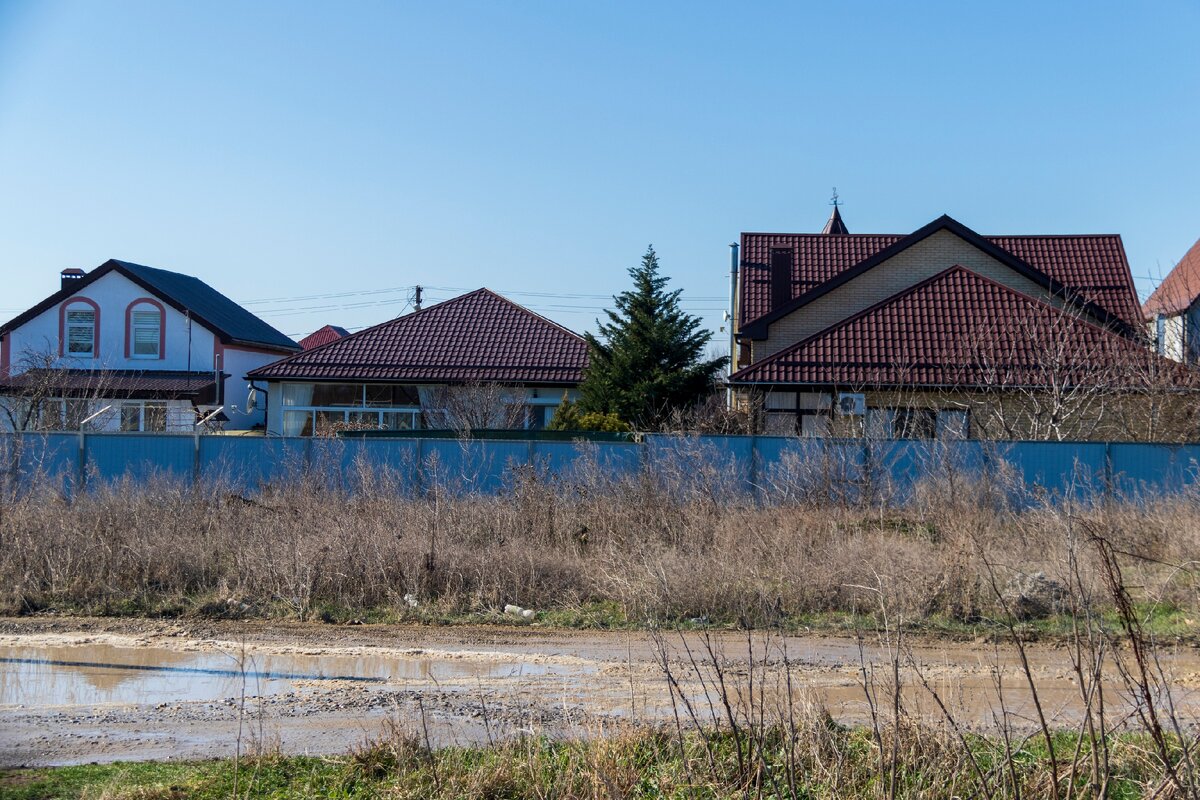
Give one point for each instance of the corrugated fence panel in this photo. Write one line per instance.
(1140, 469)
(51, 456)
(1059, 468)
(771, 467)
(140, 456)
(250, 463)
(702, 463)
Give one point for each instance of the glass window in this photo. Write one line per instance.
(154, 417)
(337, 394)
(364, 419)
(297, 423)
(81, 332)
(131, 417)
(915, 423)
(953, 423)
(76, 413)
(814, 426)
(297, 394)
(399, 420)
(392, 396)
(147, 329)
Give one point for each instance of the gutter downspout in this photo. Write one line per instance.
(733, 276)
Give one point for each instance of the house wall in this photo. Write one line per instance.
(1167, 333)
(923, 260)
(235, 363)
(112, 294)
(1133, 416)
(186, 345)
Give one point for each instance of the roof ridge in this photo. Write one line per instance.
(528, 311)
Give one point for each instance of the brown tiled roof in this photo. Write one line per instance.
(330, 333)
(956, 329)
(111, 383)
(1179, 289)
(1095, 266)
(479, 336)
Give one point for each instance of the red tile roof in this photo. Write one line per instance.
(956, 329)
(1179, 289)
(479, 336)
(330, 333)
(111, 383)
(1094, 266)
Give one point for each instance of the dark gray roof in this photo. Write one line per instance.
(232, 323)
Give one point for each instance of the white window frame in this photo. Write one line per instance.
(134, 326)
(69, 326)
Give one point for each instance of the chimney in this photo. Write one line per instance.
(781, 277)
(71, 278)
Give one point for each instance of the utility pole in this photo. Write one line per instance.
(416, 298)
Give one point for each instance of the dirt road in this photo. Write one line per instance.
(79, 690)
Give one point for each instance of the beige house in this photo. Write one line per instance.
(944, 332)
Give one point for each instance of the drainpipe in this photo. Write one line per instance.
(733, 274)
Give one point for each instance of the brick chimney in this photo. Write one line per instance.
(71, 277)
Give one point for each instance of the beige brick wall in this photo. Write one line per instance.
(923, 260)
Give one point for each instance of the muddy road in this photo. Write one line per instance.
(80, 690)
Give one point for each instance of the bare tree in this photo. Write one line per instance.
(474, 406)
(34, 398)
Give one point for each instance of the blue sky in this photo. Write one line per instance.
(293, 151)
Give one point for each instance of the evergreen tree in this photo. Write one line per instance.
(648, 358)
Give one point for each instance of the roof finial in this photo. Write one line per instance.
(835, 224)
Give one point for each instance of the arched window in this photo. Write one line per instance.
(79, 324)
(144, 329)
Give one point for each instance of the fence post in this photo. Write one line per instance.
(196, 458)
(1109, 489)
(754, 488)
(82, 459)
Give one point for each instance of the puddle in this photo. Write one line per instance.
(93, 674)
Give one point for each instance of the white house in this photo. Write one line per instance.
(133, 348)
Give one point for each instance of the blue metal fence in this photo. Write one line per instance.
(766, 466)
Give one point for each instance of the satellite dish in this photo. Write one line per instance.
(252, 399)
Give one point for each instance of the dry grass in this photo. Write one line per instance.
(681, 540)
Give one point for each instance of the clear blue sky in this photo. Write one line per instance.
(286, 150)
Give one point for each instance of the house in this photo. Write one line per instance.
(479, 360)
(325, 335)
(132, 348)
(1172, 312)
(940, 332)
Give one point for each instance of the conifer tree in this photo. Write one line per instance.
(648, 358)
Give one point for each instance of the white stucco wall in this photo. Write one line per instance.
(113, 293)
(187, 345)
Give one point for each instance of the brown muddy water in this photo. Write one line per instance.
(74, 690)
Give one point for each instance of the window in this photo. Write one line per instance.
(131, 417)
(81, 331)
(325, 407)
(914, 423)
(148, 416)
(953, 423)
(145, 331)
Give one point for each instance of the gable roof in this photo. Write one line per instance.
(325, 335)
(955, 329)
(1179, 289)
(229, 321)
(479, 336)
(1092, 269)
